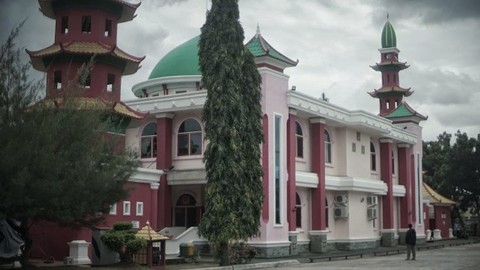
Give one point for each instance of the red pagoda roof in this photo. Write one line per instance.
(386, 90)
(127, 9)
(87, 48)
(97, 103)
(382, 65)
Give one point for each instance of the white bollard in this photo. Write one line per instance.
(79, 252)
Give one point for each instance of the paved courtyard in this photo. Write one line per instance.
(465, 257)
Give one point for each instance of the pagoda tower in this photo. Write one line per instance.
(86, 29)
(390, 95)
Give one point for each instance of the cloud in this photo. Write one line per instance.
(430, 11)
(161, 3)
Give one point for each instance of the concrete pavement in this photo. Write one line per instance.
(465, 257)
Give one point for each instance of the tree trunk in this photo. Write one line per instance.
(223, 254)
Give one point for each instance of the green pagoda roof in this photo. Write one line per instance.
(389, 39)
(259, 47)
(404, 111)
(181, 61)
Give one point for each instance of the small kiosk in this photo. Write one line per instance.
(148, 256)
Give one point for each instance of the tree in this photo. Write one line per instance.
(57, 164)
(232, 116)
(436, 165)
(454, 169)
(122, 240)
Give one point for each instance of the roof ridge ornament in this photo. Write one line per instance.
(258, 30)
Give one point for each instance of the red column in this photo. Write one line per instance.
(153, 206)
(164, 162)
(318, 166)
(404, 178)
(386, 176)
(265, 166)
(291, 186)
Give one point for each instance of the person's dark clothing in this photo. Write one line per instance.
(411, 237)
(411, 240)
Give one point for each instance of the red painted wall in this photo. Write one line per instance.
(98, 80)
(51, 241)
(98, 18)
(443, 220)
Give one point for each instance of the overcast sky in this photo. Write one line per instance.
(334, 41)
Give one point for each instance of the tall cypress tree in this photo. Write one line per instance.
(232, 116)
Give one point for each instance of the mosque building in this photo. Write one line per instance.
(333, 178)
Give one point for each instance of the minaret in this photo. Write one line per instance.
(390, 94)
(83, 29)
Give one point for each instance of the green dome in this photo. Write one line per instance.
(181, 61)
(389, 39)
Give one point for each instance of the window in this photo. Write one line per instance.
(113, 209)
(354, 147)
(393, 163)
(110, 82)
(189, 138)
(373, 157)
(108, 28)
(87, 85)
(126, 208)
(57, 79)
(298, 210)
(363, 149)
(394, 77)
(148, 142)
(388, 78)
(328, 148)
(277, 162)
(86, 24)
(139, 209)
(326, 213)
(359, 136)
(64, 25)
(299, 135)
(186, 211)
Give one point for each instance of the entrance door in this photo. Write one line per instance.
(186, 211)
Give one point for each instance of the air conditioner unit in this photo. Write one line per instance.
(135, 224)
(372, 200)
(340, 212)
(341, 198)
(372, 213)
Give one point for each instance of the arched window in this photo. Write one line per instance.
(298, 210)
(299, 135)
(149, 141)
(186, 211)
(373, 157)
(328, 148)
(189, 141)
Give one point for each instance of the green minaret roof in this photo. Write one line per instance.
(389, 39)
(181, 61)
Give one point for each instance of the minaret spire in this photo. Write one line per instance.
(390, 94)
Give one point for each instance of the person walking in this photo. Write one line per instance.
(411, 241)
